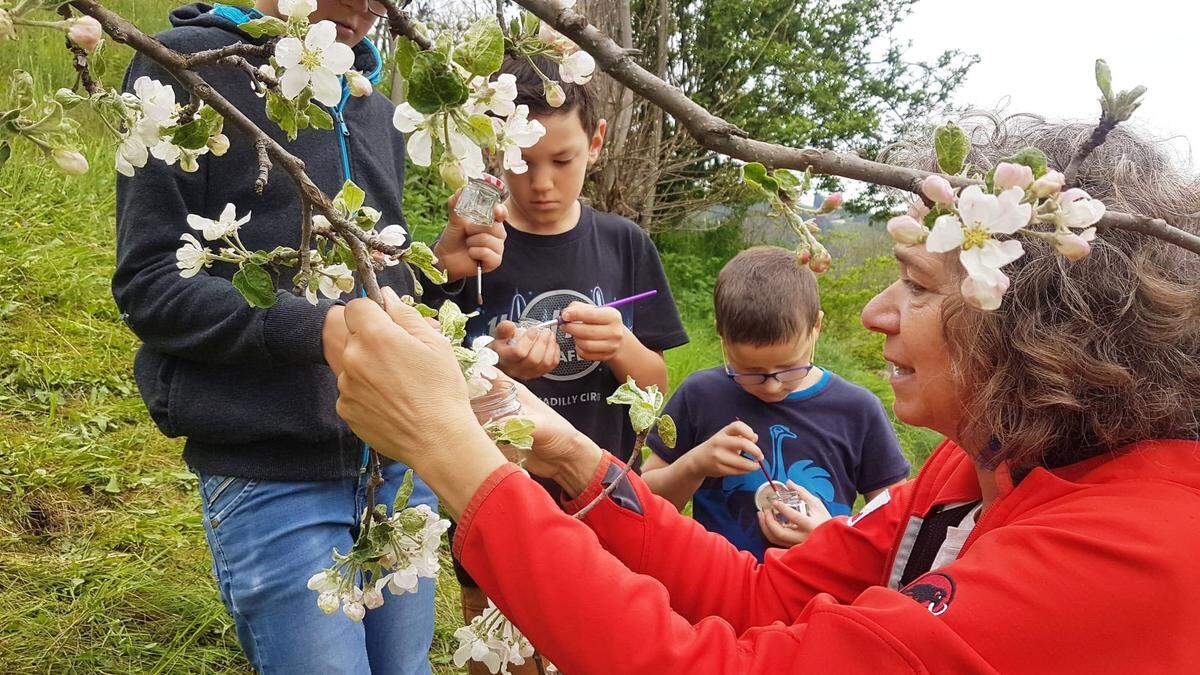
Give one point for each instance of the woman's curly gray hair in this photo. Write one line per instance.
(1082, 358)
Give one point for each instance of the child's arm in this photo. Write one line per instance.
(601, 335)
(724, 454)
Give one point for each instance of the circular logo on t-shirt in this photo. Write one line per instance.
(547, 306)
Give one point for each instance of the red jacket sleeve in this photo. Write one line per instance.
(589, 613)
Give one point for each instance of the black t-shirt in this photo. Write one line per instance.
(603, 258)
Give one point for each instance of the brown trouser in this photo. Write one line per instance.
(473, 604)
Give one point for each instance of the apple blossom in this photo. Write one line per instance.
(328, 602)
(190, 257)
(1009, 175)
(985, 292)
(917, 211)
(937, 189)
(577, 68)
(981, 215)
(225, 225)
(354, 610)
(86, 32)
(316, 62)
(297, 9)
(517, 132)
(219, 145)
(555, 95)
(832, 203)
(335, 280)
(497, 95)
(1078, 210)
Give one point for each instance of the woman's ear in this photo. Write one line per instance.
(597, 142)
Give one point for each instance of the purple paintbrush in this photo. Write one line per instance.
(615, 303)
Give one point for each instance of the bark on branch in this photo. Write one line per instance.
(718, 135)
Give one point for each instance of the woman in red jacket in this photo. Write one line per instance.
(1056, 529)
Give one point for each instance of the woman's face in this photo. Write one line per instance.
(908, 313)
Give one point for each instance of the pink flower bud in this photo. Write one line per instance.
(354, 610)
(1075, 246)
(453, 175)
(906, 230)
(1009, 175)
(85, 32)
(372, 598)
(327, 602)
(937, 189)
(832, 203)
(70, 162)
(1049, 184)
(804, 256)
(219, 144)
(821, 260)
(359, 85)
(555, 95)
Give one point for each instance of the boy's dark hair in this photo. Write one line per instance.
(579, 97)
(765, 296)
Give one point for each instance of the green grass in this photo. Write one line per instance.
(103, 566)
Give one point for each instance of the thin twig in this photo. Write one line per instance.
(242, 49)
(306, 228)
(79, 60)
(718, 135)
(633, 461)
(1095, 140)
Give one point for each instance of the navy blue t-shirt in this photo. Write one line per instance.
(833, 438)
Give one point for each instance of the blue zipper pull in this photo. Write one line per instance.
(341, 121)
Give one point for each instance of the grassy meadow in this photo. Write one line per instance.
(103, 567)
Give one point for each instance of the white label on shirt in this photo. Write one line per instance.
(879, 500)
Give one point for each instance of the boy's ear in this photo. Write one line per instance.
(597, 142)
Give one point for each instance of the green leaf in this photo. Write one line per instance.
(255, 284)
(422, 308)
(667, 431)
(406, 52)
(453, 322)
(785, 179)
(420, 256)
(1104, 79)
(404, 493)
(281, 111)
(642, 416)
(5, 152)
(755, 175)
(481, 51)
(268, 26)
(1031, 157)
(434, 85)
(531, 25)
(514, 431)
(479, 129)
(195, 134)
(350, 198)
(952, 146)
(626, 394)
(318, 117)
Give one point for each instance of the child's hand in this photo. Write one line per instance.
(600, 333)
(463, 244)
(529, 355)
(799, 526)
(724, 454)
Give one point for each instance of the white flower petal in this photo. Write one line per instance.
(293, 81)
(406, 119)
(420, 147)
(288, 51)
(321, 35)
(947, 235)
(327, 88)
(974, 206)
(338, 58)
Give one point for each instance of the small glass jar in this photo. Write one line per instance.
(497, 404)
(765, 496)
(479, 198)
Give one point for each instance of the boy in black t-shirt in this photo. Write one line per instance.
(564, 258)
(769, 402)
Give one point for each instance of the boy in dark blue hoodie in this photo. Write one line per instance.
(281, 476)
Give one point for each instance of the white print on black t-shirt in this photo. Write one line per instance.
(564, 401)
(547, 306)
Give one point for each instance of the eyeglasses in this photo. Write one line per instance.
(789, 376)
(378, 9)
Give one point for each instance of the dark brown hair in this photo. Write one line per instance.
(579, 97)
(765, 296)
(1082, 358)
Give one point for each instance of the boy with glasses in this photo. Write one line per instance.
(769, 403)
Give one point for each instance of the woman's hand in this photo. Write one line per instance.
(402, 392)
(800, 525)
(560, 452)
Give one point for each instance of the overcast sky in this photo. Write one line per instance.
(1150, 42)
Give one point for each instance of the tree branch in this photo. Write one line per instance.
(175, 63)
(634, 460)
(401, 25)
(718, 135)
(242, 49)
(1099, 134)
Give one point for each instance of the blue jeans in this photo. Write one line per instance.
(268, 537)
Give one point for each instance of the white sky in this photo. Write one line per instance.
(1155, 43)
